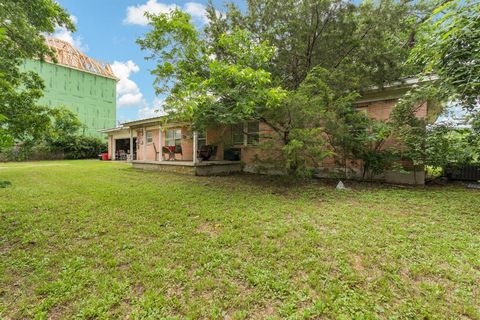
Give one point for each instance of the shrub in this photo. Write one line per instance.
(78, 147)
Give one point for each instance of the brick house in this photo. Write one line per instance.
(165, 146)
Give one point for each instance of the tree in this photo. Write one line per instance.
(364, 43)
(448, 46)
(446, 145)
(65, 123)
(295, 66)
(202, 87)
(65, 136)
(22, 25)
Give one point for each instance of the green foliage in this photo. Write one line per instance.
(65, 137)
(449, 47)
(65, 123)
(365, 43)
(23, 24)
(78, 147)
(375, 158)
(6, 140)
(204, 88)
(293, 66)
(305, 151)
(431, 145)
(446, 145)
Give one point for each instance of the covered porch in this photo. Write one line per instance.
(175, 147)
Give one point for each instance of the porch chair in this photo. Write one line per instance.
(122, 155)
(206, 152)
(178, 149)
(169, 151)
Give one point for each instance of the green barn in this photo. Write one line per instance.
(80, 83)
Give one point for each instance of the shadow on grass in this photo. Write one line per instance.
(4, 184)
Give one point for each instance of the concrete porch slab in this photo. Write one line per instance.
(204, 168)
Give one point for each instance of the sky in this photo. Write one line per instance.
(107, 30)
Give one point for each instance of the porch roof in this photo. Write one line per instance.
(161, 120)
(108, 130)
(393, 90)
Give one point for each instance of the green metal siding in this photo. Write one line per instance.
(90, 96)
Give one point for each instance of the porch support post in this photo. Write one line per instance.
(160, 142)
(195, 146)
(114, 148)
(144, 141)
(131, 144)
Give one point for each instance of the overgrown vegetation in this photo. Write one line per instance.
(63, 139)
(91, 239)
(299, 68)
(23, 24)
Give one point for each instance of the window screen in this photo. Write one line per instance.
(253, 130)
(237, 133)
(149, 136)
(174, 137)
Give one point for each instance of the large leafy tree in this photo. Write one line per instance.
(203, 87)
(448, 46)
(361, 44)
(23, 24)
(227, 79)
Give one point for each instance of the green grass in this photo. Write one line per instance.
(90, 239)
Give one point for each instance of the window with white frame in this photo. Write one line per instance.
(174, 137)
(149, 137)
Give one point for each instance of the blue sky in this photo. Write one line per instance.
(107, 30)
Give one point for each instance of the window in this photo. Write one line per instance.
(245, 133)
(253, 132)
(149, 136)
(174, 137)
(202, 139)
(237, 134)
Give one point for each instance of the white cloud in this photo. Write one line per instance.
(196, 10)
(128, 92)
(136, 14)
(66, 35)
(155, 111)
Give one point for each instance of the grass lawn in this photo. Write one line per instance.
(90, 239)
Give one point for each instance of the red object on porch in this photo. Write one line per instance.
(105, 156)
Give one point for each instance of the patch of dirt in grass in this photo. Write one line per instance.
(138, 289)
(57, 312)
(210, 229)
(268, 311)
(358, 264)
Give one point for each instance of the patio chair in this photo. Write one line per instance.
(178, 149)
(206, 152)
(122, 155)
(170, 151)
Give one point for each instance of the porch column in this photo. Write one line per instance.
(114, 147)
(160, 142)
(144, 141)
(195, 146)
(131, 145)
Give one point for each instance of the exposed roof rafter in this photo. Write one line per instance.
(71, 57)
